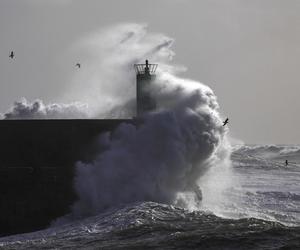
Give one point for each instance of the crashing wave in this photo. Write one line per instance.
(23, 110)
(154, 225)
(173, 147)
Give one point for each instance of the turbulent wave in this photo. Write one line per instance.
(151, 225)
(268, 189)
(272, 156)
(264, 212)
(268, 150)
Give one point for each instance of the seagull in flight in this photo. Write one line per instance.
(225, 122)
(12, 54)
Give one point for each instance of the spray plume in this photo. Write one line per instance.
(38, 110)
(107, 81)
(165, 158)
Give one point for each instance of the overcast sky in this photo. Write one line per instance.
(247, 51)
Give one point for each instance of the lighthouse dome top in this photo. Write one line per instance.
(145, 68)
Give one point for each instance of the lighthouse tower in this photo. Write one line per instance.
(145, 74)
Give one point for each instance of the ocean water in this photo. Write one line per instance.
(260, 210)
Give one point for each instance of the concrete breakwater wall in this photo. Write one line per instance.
(37, 160)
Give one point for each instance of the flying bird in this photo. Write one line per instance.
(225, 122)
(12, 54)
(78, 65)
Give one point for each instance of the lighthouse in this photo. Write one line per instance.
(145, 75)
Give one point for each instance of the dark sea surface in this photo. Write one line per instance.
(259, 209)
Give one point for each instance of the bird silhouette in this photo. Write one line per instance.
(12, 54)
(78, 65)
(225, 122)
